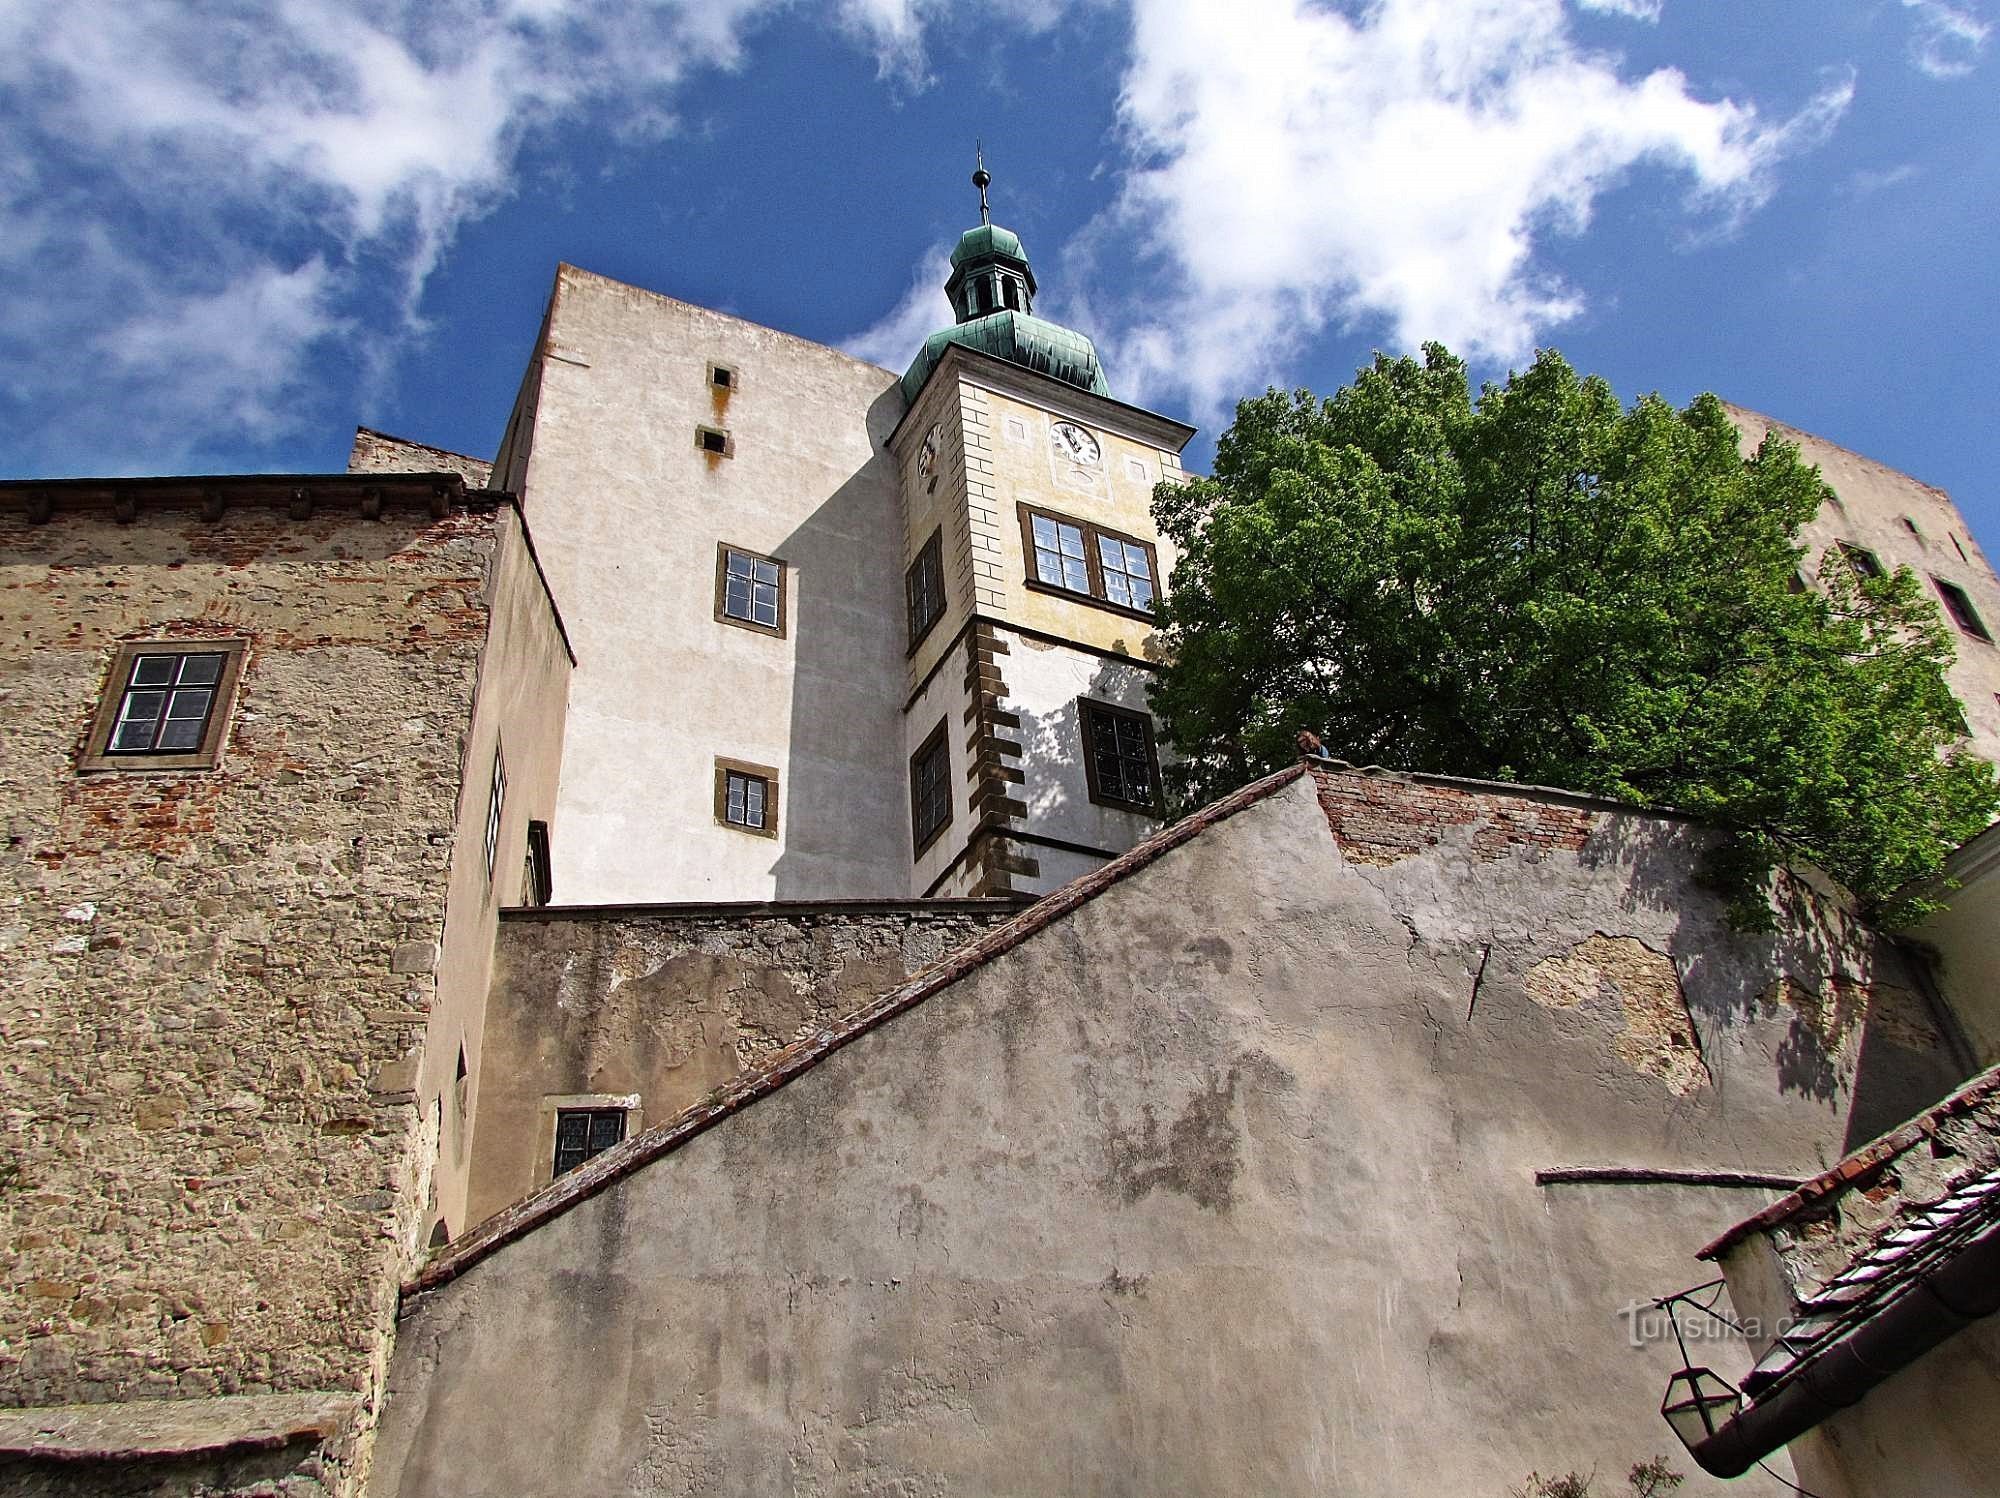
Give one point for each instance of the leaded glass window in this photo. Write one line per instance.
(923, 586)
(930, 788)
(750, 588)
(744, 797)
(1078, 557)
(1119, 756)
(1128, 572)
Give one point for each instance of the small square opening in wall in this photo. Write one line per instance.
(1863, 561)
(746, 797)
(715, 440)
(722, 376)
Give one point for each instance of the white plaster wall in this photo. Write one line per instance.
(944, 696)
(1045, 682)
(627, 513)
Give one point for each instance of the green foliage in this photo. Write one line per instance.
(1546, 587)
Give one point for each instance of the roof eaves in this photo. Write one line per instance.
(622, 1160)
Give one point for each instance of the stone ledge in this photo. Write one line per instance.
(144, 1428)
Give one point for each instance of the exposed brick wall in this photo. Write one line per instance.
(211, 1171)
(378, 452)
(1383, 819)
(670, 1006)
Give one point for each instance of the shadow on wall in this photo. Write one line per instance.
(1857, 1023)
(846, 825)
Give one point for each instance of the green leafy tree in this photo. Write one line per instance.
(1541, 585)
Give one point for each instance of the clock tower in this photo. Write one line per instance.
(1032, 567)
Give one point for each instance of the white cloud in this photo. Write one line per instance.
(1638, 10)
(894, 340)
(1948, 40)
(1294, 167)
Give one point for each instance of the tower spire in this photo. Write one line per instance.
(981, 179)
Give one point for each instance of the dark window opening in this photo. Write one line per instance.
(167, 702)
(1081, 558)
(1958, 603)
(1959, 549)
(541, 873)
(983, 289)
(721, 376)
(1911, 526)
(1864, 562)
(1013, 291)
(930, 788)
(713, 440)
(583, 1132)
(923, 587)
(1119, 758)
(750, 590)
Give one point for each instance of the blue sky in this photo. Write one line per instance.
(231, 229)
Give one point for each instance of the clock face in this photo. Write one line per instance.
(927, 458)
(1074, 443)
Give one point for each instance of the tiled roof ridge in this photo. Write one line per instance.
(1861, 1163)
(621, 1160)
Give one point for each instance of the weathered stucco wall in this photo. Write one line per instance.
(1906, 523)
(1222, 1181)
(666, 1005)
(628, 513)
(214, 1167)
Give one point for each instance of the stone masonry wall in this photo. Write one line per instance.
(671, 1005)
(207, 1183)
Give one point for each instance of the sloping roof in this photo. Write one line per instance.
(621, 1160)
(1898, 1261)
(1980, 1092)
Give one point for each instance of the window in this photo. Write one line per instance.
(1078, 557)
(715, 440)
(749, 590)
(746, 797)
(583, 1132)
(1958, 603)
(722, 377)
(1864, 562)
(165, 706)
(1119, 760)
(923, 587)
(930, 788)
(1012, 290)
(496, 798)
(540, 873)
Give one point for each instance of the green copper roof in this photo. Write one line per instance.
(987, 239)
(1019, 339)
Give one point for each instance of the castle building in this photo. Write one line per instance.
(654, 965)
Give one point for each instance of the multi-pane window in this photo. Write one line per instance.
(923, 587)
(1088, 560)
(750, 590)
(166, 704)
(1119, 758)
(539, 875)
(583, 1132)
(746, 797)
(930, 788)
(496, 799)
(1127, 572)
(743, 798)
(1958, 603)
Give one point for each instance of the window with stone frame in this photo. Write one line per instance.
(1068, 555)
(1121, 763)
(165, 705)
(1958, 603)
(584, 1132)
(746, 797)
(749, 589)
(930, 788)
(1863, 562)
(923, 588)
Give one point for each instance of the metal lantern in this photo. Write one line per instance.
(1699, 1402)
